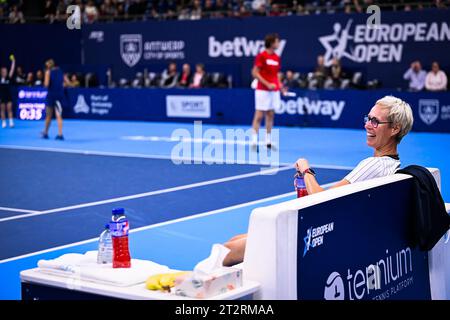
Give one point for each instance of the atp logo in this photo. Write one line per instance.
(334, 288)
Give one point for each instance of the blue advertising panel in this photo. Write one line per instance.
(320, 108)
(361, 252)
(346, 108)
(383, 53)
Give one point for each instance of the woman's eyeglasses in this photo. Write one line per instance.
(374, 121)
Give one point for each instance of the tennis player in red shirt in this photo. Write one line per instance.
(267, 94)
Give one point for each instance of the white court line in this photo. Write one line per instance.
(147, 194)
(144, 156)
(17, 210)
(156, 225)
(161, 157)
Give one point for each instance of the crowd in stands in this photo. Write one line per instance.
(332, 77)
(21, 11)
(321, 77)
(419, 79)
(31, 79)
(172, 78)
(337, 77)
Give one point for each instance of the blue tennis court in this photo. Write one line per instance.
(56, 196)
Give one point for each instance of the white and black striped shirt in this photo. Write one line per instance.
(373, 167)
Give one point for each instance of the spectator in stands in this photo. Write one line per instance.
(347, 9)
(16, 16)
(336, 75)
(90, 12)
(416, 76)
(138, 81)
(50, 13)
(200, 79)
(121, 12)
(289, 82)
(30, 79)
(137, 8)
(108, 9)
(184, 14)
(169, 77)
(73, 81)
(436, 79)
(208, 10)
(259, 9)
(389, 120)
(196, 11)
(276, 9)
(154, 14)
(258, 4)
(221, 9)
(186, 76)
(168, 8)
(440, 4)
(321, 72)
(243, 12)
(61, 11)
(302, 10)
(39, 78)
(20, 76)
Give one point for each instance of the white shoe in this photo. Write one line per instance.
(11, 123)
(3, 124)
(254, 146)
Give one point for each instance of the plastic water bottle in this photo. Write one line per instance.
(119, 230)
(300, 186)
(105, 247)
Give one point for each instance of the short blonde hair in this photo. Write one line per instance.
(50, 63)
(400, 113)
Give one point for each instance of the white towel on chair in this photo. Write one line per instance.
(85, 267)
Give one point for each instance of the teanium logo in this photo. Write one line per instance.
(380, 280)
(238, 47)
(334, 288)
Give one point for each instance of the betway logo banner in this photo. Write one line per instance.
(304, 105)
(383, 44)
(238, 47)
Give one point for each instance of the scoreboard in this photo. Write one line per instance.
(31, 103)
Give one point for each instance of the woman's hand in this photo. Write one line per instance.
(301, 165)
